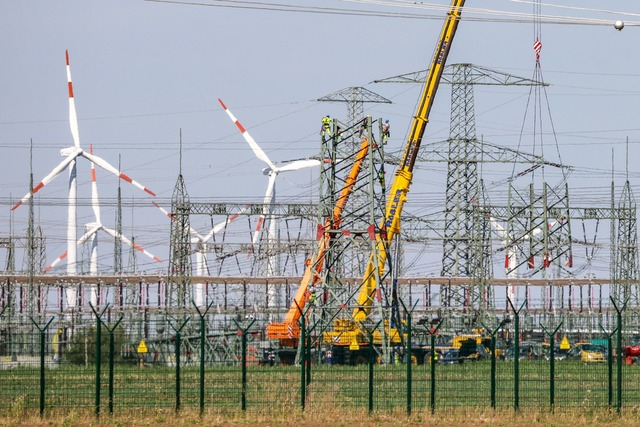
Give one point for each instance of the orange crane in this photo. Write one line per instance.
(288, 331)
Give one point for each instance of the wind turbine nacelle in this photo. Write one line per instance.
(267, 171)
(88, 226)
(69, 151)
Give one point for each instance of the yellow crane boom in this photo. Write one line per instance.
(403, 177)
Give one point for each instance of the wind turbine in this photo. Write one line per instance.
(201, 248)
(70, 154)
(511, 257)
(91, 234)
(511, 261)
(272, 172)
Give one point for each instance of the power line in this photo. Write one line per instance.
(483, 15)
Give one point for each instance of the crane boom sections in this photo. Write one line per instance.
(404, 174)
(290, 329)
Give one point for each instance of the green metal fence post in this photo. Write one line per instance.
(243, 402)
(432, 332)
(516, 355)
(609, 363)
(303, 364)
(98, 360)
(610, 369)
(42, 353)
(619, 353)
(552, 366)
(111, 356)
(619, 361)
(372, 352)
(493, 360)
(243, 341)
(407, 353)
(308, 358)
(203, 336)
(409, 364)
(371, 362)
(177, 355)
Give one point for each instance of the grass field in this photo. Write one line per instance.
(328, 416)
(337, 395)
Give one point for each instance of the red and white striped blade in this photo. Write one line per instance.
(163, 210)
(256, 234)
(130, 243)
(298, 164)
(193, 232)
(54, 263)
(95, 203)
(219, 227)
(47, 179)
(252, 143)
(94, 229)
(73, 117)
(106, 166)
(268, 198)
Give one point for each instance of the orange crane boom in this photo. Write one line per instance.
(289, 330)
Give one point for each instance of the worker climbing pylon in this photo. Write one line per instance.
(363, 125)
(312, 298)
(381, 179)
(326, 126)
(386, 131)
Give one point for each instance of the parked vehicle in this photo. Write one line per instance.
(558, 353)
(588, 353)
(527, 350)
(593, 354)
(451, 357)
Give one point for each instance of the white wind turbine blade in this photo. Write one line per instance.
(106, 166)
(47, 179)
(298, 164)
(93, 230)
(73, 116)
(268, 198)
(95, 203)
(498, 228)
(252, 143)
(80, 241)
(130, 243)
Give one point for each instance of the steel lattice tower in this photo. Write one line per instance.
(625, 248)
(179, 283)
(353, 228)
(34, 255)
(349, 134)
(462, 253)
(462, 177)
(117, 244)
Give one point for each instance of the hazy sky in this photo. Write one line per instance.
(143, 71)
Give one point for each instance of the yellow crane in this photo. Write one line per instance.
(347, 332)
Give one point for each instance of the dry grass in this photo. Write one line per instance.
(331, 417)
